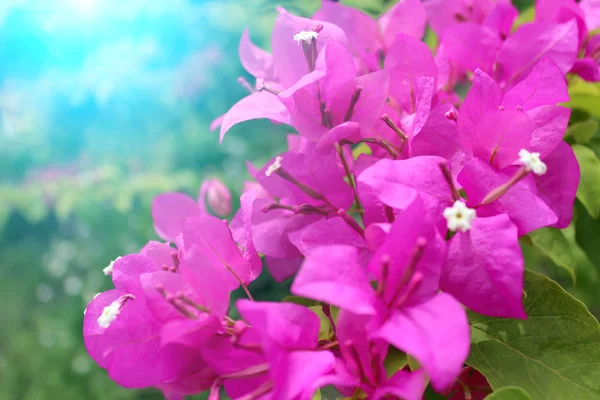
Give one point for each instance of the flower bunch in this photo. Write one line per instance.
(391, 244)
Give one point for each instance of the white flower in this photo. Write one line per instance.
(532, 162)
(112, 311)
(459, 217)
(109, 314)
(306, 36)
(274, 167)
(108, 270)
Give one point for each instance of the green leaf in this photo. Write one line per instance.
(553, 244)
(317, 395)
(413, 364)
(394, 361)
(588, 191)
(324, 324)
(300, 300)
(525, 16)
(554, 354)
(582, 132)
(509, 393)
(362, 148)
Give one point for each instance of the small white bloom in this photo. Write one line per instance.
(108, 270)
(532, 162)
(459, 217)
(274, 167)
(306, 36)
(109, 314)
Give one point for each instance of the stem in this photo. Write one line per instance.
(350, 176)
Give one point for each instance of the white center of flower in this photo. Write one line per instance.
(109, 270)
(459, 217)
(112, 311)
(274, 167)
(109, 314)
(532, 162)
(306, 36)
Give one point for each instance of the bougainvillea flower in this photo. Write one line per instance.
(124, 336)
(408, 58)
(521, 202)
(407, 267)
(485, 268)
(169, 212)
(469, 46)
(367, 37)
(561, 11)
(443, 14)
(591, 9)
(332, 94)
(530, 43)
(588, 67)
(406, 16)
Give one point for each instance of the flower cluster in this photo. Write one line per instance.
(393, 243)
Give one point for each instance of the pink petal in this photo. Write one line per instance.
(397, 183)
(333, 275)
(160, 253)
(522, 204)
(549, 125)
(587, 68)
(413, 225)
(502, 17)
(212, 236)
(545, 85)
(500, 135)
(296, 373)
(559, 185)
(436, 333)
(561, 11)
(470, 46)
(438, 137)
(485, 268)
(591, 9)
(255, 106)
(282, 268)
(404, 385)
(441, 14)
(349, 131)
(217, 122)
(128, 269)
(362, 31)
(241, 229)
(288, 56)
(484, 96)
(190, 333)
(288, 325)
(406, 16)
(531, 42)
(169, 212)
(370, 105)
(255, 60)
(407, 59)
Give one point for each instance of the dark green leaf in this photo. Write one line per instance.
(509, 393)
(553, 244)
(554, 354)
(582, 132)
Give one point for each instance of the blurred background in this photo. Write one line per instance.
(103, 105)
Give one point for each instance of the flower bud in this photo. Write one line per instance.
(218, 197)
